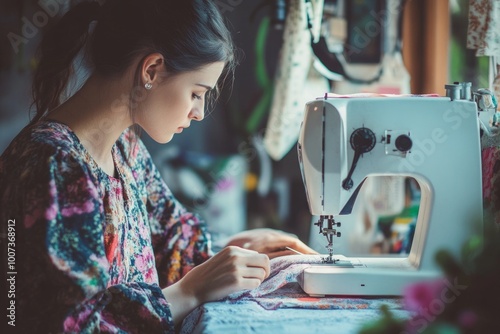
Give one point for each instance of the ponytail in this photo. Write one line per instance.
(58, 49)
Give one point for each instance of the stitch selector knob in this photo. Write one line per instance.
(403, 143)
(362, 140)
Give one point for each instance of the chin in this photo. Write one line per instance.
(163, 139)
(167, 139)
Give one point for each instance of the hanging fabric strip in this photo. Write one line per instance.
(483, 32)
(296, 82)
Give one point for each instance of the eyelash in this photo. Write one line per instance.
(199, 97)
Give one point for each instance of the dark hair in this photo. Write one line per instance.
(188, 33)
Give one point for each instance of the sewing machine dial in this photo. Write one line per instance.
(397, 142)
(363, 140)
(403, 143)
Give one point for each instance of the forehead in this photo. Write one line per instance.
(206, 75)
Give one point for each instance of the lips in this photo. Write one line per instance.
(181, 128)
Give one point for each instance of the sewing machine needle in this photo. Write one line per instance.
(293, 250)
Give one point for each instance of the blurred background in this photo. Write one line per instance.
(238, 168)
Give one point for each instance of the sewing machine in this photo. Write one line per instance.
(432, 139)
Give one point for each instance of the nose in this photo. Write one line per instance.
(198, 112)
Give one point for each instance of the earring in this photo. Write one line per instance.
(148, 85)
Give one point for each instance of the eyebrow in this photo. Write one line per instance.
(205, 86)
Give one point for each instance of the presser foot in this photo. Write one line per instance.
(329, 259)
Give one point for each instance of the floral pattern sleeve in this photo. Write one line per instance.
(180, 239)
(63, 280)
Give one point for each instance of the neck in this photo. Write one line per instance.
(98, 114)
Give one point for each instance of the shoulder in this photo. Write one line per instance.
(43, 136)
(41, 149)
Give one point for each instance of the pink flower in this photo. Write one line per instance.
(418, 296)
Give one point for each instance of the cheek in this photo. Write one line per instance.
(169, 105)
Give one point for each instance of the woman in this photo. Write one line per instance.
(101, 244)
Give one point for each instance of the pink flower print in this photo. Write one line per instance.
(488, 161)
(69, 323)
(101, 261)
(144, 232)
(52, 189)
(141, 263)
(151, 276)
(77, 209)
(144, 261)
(90, 187)
(187, 230)
(72, 324)
(51, 212)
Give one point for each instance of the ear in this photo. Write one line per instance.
(152, 65)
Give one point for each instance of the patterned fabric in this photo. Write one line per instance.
(491, 183)
(484, 27)
(483, 35)
(93, 251)
(496, 83)
(296, 81)
(281, 290)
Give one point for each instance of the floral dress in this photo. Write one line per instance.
(92, 251)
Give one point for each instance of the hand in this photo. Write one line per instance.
(232, 269)
(269, 241)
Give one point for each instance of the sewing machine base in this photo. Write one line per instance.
(362, 277)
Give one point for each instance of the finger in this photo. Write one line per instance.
(291, 251)
(292, 235)
(254, 272)
(259, 261)
(249, 283)
(281, 244)
(302, 247)
(279, 253)
(248, 258)
(235, 250)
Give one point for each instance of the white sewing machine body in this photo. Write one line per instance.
(432, 139)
